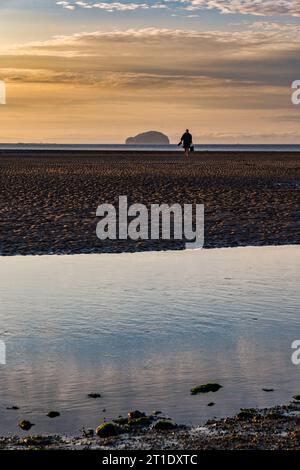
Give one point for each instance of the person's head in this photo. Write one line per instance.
(187, 131)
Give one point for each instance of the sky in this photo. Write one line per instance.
(99, 72)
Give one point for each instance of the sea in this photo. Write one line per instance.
(152, 148)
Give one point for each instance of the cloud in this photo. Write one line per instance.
(66, 5)
(247, 137)
(261, 41)
(250, 7)
(253, 70)
(244, 7)
(111, 6)
(261, 36)
(131, 79)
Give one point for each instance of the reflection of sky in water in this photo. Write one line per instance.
(142, 329)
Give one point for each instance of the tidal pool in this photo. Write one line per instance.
(142, 329)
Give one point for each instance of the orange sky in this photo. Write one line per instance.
(88, 79)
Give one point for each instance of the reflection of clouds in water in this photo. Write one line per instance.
(243, 370)
(143, 333)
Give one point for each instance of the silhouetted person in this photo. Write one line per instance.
(186, 141)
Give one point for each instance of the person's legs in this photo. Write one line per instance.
(186, 152)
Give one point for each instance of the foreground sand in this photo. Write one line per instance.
(267, 429)
(48, 199)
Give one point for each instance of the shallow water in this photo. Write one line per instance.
(142, 329)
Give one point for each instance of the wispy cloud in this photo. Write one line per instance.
(265, 55)
(245, 7)
(66, 5)
(250, 7)
(111, 6)
(259, 39)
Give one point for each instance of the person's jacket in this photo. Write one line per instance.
(187, 139)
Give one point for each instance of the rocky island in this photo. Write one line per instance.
(149, 138)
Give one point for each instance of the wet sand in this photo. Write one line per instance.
(48, 200)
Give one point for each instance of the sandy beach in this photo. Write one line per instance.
(48, 199)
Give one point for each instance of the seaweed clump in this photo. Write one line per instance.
(25, 425)
(106, 430)
(205, 388)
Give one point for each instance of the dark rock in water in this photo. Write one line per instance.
(205, 388)
(106, 430)
(12, 408)
(211, 404)
(135, 414)
(268, 389)
(94, 395)
(25, 425)
(53, 414)
(164, 425)
(296, 397)
(148, 138)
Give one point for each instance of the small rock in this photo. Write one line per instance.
(205, 388)
(268, 389)
(164, 425)
(296, 397)
(296, 434)
(106, 430)
(37, 441)
(87, 432)
(135, 414)
(211, 404)
(142, 421)
(94, 395)
(53, 414)
(12, 408)
(25, 425)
